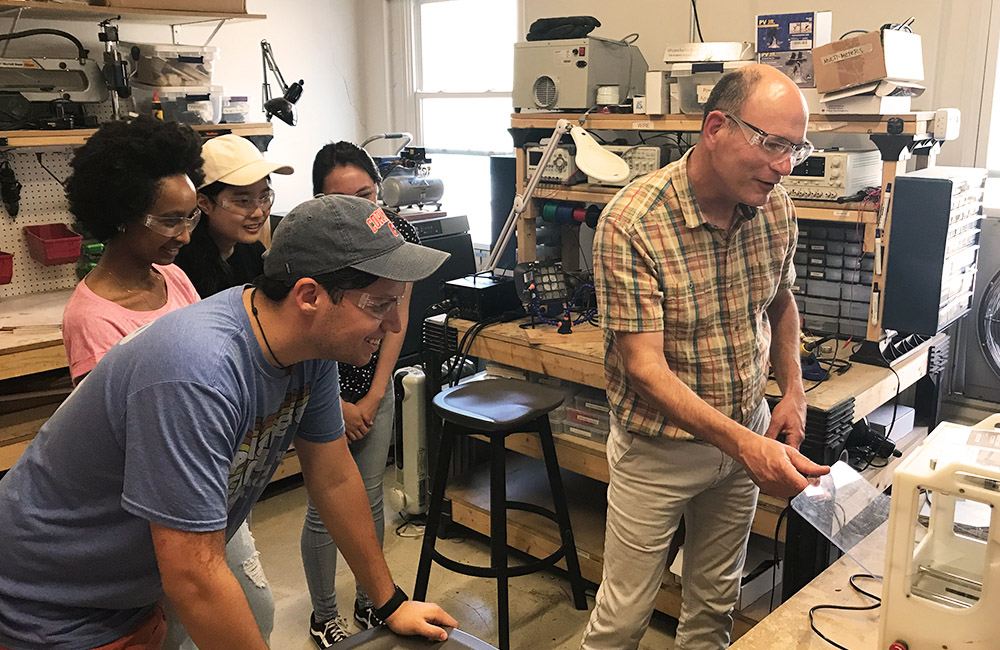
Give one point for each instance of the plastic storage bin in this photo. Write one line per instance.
(187, 104)
(696, 80)
(53, 243)
(235, 109)
(6, 267)
(164, 64)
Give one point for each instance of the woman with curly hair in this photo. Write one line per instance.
(133, 188)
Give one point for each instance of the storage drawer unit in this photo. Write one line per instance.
(933, 248)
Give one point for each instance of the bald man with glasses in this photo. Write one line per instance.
(693, 268)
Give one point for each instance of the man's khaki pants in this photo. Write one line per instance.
(653, 482)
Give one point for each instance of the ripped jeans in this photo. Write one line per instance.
(244, 562)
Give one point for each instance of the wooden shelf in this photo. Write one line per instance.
(917, 123)
(74, 137)
(804, 210)
(52, 10)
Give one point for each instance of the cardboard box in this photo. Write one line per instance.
(211, 6)
(793, 32)
(850, 62)
(877, 98)
(797, 65)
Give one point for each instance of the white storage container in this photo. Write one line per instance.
(165, 64)
(235, 109)
(696, 80)
(186, 104)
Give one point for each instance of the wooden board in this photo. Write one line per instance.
(584, 333)
(31, 333)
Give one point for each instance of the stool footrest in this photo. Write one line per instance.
(512, 571)
(489, 572)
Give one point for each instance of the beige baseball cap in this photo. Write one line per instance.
(234, 160)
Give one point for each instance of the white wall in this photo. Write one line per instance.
(315, 40)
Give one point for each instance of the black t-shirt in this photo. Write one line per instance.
(356, 381)
(210, 274)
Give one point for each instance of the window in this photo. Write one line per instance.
(463, 53)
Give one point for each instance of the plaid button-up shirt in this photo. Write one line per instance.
(660, 267)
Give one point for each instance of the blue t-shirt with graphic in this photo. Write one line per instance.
(181, 424)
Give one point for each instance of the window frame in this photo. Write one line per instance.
(418, 95)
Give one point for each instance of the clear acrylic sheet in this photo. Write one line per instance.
(847, 509)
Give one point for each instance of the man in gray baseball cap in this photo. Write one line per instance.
(173, 436)
(334, 232)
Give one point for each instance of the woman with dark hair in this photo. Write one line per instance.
(133, 188)
(235, 200)
(368, 403)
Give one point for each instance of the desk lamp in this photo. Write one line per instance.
(281, 107)
(592, 159)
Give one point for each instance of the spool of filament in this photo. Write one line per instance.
(593, 213)
(607, 95)
(549, 211)
(579, 215)
(564, 214)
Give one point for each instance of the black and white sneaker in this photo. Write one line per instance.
(328, 633)
(366, 617)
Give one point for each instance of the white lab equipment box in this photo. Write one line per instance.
(941, 586)
(565, 74)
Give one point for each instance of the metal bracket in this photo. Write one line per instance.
(175, 31)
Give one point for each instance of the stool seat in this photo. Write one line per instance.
(493, 405)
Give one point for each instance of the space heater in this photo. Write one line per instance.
(409, 491)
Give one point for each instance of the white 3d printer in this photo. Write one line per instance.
(941, 587)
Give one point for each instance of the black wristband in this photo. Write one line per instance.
(398, 598)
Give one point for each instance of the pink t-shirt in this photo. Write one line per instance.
(92, 325)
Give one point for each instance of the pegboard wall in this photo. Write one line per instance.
(42, 202)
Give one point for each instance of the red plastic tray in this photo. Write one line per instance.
(53, 243)
(6, 267)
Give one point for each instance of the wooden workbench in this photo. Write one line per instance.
(31, 333)
(578, 358)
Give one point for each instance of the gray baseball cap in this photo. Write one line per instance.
(334, 232)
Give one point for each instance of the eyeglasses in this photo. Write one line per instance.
(378, 306)
(172, 225)
(246, 206)
(774, 145)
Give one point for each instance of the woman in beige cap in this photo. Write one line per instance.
(235, 201)
(225, 251)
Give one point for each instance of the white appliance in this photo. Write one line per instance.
(565, 74)
(828, 175)
(942, 568)
(409, 490)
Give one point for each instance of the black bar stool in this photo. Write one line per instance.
(497, 408)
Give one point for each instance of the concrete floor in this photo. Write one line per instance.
(541, 614)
